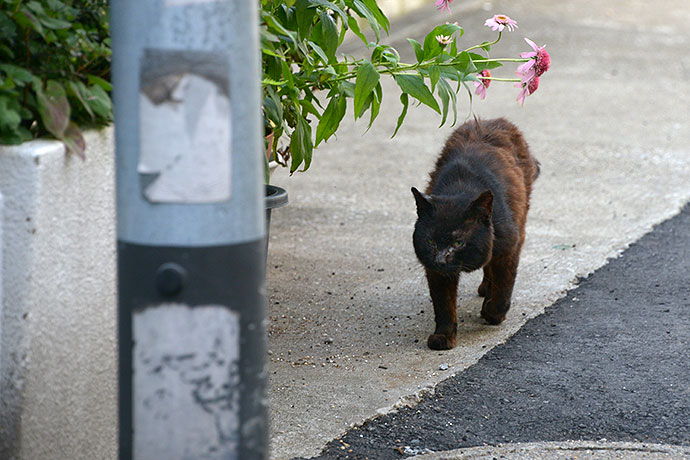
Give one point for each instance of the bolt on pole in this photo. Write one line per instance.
(190, 229)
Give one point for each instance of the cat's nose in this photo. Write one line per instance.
(443, 257)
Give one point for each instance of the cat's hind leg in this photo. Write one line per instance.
(443, 289)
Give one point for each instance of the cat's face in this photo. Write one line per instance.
(453, 234)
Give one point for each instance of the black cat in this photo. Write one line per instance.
(473, 216)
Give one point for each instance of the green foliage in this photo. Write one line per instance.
(54, 69)
(299, 44)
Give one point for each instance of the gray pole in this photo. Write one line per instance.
(190, 229)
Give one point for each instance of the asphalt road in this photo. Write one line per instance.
(611, 360)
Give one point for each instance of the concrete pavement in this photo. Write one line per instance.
(349, 308)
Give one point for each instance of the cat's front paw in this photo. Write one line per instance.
(494, 320)
(441, 342)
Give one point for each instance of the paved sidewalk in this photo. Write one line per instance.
(349, 307)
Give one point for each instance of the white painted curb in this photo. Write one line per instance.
(58, 386)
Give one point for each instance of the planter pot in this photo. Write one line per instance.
(276, 197)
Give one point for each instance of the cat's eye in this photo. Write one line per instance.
(458, 244)
(431, 242)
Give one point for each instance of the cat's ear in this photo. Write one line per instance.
(423, 200)
(483, 205)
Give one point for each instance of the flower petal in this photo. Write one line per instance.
(532, 44)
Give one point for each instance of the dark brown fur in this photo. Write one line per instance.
(473, 216)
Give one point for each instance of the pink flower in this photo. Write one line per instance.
(500, 22)
(482, 84)
(539, 60)
(527, 89)
(443, 5)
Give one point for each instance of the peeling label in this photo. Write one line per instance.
(185, 128)
(186, 382)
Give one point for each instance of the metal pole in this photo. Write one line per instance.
(190, 228)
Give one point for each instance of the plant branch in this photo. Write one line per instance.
(485, 44)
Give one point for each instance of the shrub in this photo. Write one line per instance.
(54, 69)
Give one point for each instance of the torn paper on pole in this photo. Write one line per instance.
(185, 136)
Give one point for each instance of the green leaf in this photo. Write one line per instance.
(271, 82)
(447, 95)
(364, 12)
(287, 75)
(305, 18)
(332, 6)
(418, 51)
(354, 27)
(6, 51)
(274, 24)
(366, 106)
(273, 109)
(96, 80)
(415, 87)
(270, 52)
(469, 94)
(404, 99)
(20, 75)
(348, 89)
(331, 118)
(74, 141)
(80, 92)
(432, 47)
(16, 136)
(53, 23)
(463, 63)
(301, 146)
(10, 119)
(367, 78)
(449, 73)
(7, 84)
(53, 107)
(7, 28)
(99, 101)
(376, 98)
(309, 108)
(319, 52)
(434, 75)
(36, 7)
(453, 48)
(27, 20)
(378, 14)
(385, 53)
(329, 34)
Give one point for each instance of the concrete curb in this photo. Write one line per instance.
(582, 450)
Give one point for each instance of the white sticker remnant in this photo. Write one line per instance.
(185, 136)
(186, 383)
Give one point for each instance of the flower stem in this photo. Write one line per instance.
(500, 79)
(484, 44)
(402, 68)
